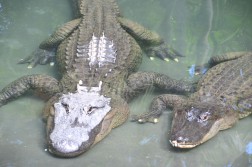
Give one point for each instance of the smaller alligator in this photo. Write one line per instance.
(223, 95)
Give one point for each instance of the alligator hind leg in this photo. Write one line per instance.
(45, 53)
(60, 34)
(152, 43)
(226, 57)
(39, 56)
(202, 69)
(158, 105)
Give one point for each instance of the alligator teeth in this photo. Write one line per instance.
(174, 143)
(183, 144)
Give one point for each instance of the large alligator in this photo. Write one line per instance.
(97, 55)
(223, 95)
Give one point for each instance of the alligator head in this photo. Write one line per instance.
(75, 121)
(196, 123)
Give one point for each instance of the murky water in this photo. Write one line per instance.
(197, 28)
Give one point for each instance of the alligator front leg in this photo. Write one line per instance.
(43, 84)
(45, 53)
(152, 43)
(140, 81)
(158, 105)
(244, 107)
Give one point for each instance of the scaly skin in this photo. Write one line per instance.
(96, 53)
(223, 96)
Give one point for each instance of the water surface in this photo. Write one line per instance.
(197, 28)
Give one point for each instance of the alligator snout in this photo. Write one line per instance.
(181, 142)
(181, 139)
(66, 146)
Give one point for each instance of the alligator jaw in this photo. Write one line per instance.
(174, 143)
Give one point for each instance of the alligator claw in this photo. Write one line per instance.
(144, 119)
(39, 56)
(152, 58)
(163, 52)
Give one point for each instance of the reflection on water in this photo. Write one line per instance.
(245, 159)
(197, 28)
(4, 20)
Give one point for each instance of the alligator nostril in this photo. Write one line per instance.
(180, 139)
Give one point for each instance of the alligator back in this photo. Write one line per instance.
(98, 47)
(227, 81)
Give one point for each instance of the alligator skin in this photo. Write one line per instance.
(97, 55)
(223, 96)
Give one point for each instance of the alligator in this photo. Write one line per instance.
(222, 96)
(97, 56)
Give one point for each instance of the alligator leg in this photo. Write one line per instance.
(226, 57)
(152, 43)
(158, 105)
(245, 107)
(201, 69)
(60, 34)
(140, 81)
(39, 56)
(43, 84)
(44, 53)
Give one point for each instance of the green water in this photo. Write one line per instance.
(197, 28)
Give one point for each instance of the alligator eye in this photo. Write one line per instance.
(66, 107)
(189, 115)
(204, 116)
(91, 109)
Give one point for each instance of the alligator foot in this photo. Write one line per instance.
(164, 52)
(152, 43)
(39, 56)
(158, 105)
